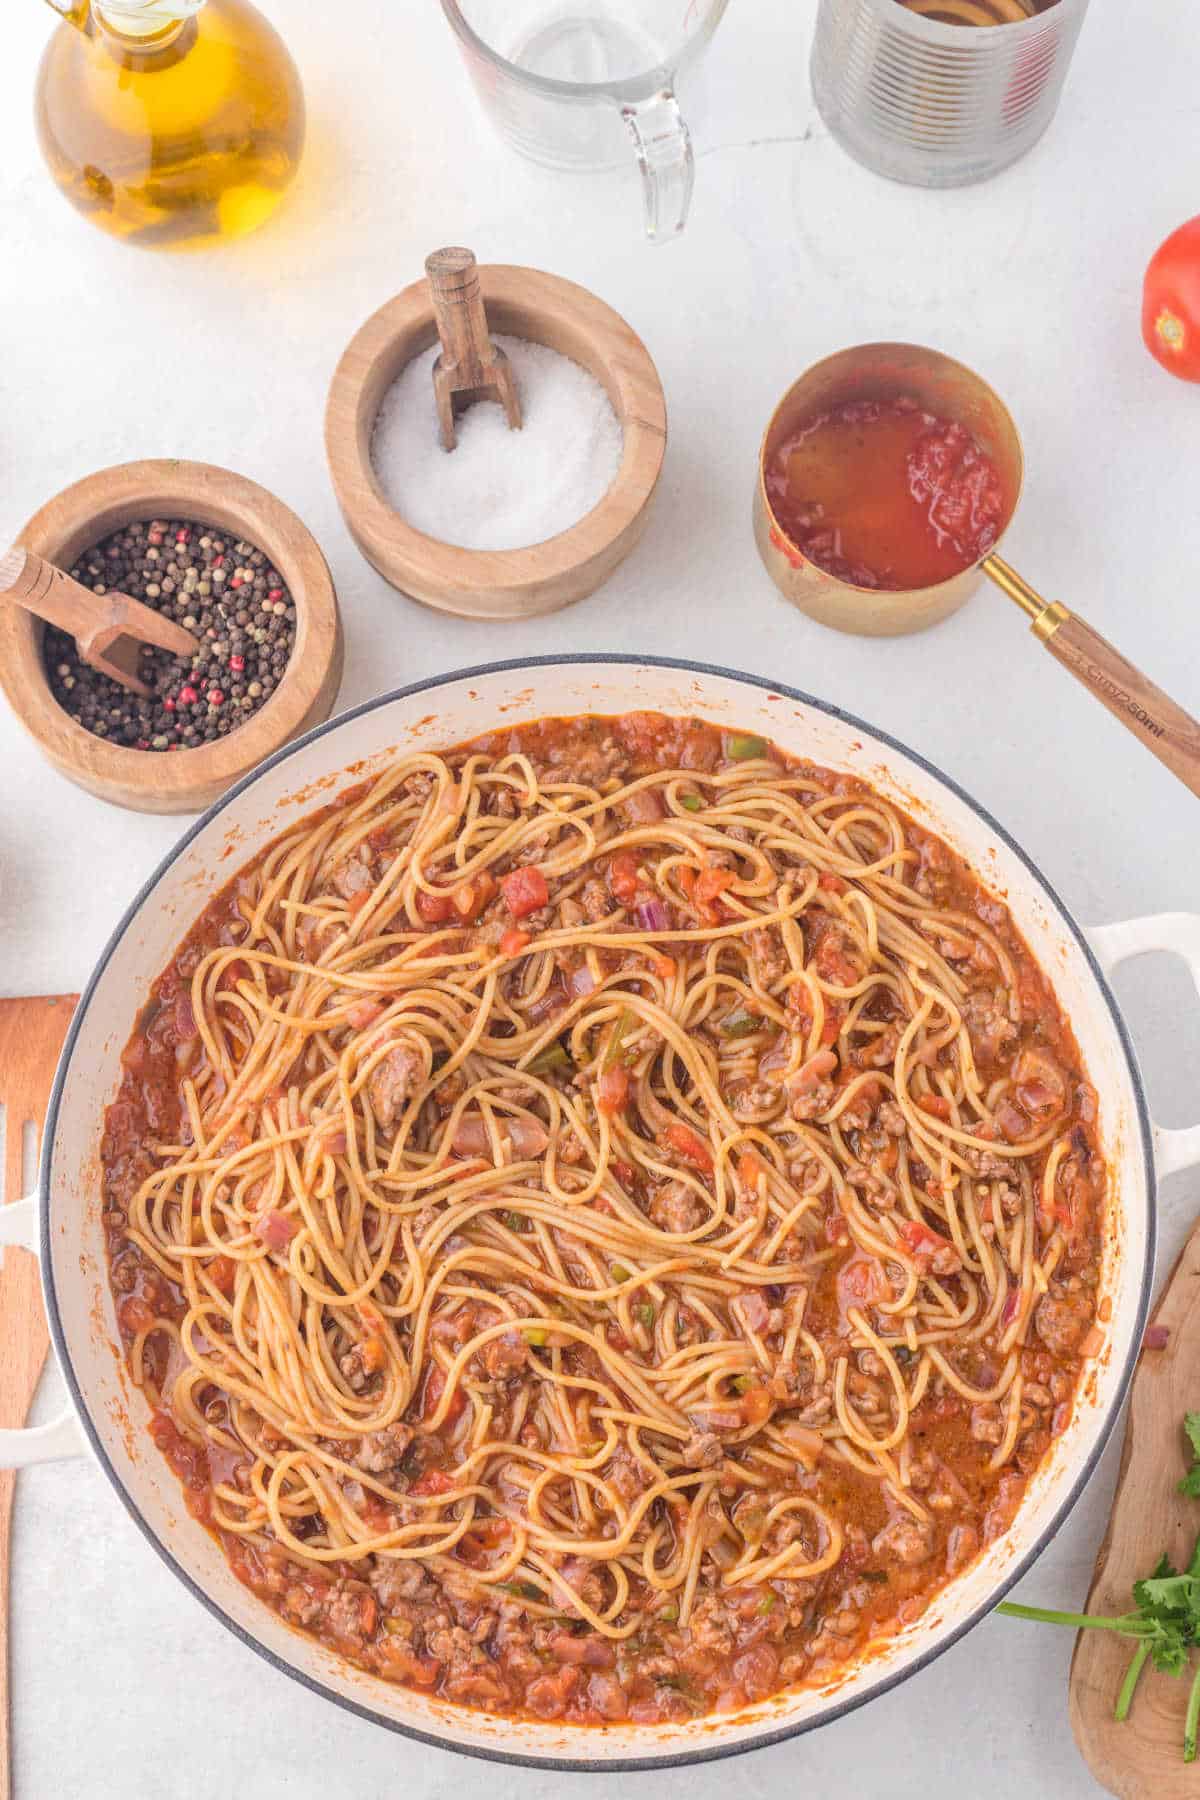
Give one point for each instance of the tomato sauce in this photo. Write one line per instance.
(885, 495)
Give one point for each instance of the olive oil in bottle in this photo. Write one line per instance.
(170, 123)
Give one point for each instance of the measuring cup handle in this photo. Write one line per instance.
(664, 152)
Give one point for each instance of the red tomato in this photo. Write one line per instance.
(222, 1272)
(1171, 303)
(927, 1245)
(513, 941)
(709, 885)
(435, 909)
(623, 877)
(470, 897)
(434, 1388)
(692, 1148)
(614, 1091)
(433, 1481)
(525, 891)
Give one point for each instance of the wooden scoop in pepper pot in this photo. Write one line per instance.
(109, 629)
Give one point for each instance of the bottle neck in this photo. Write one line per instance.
(147, 27)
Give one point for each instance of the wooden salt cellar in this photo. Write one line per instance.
(470, 367)
(190, 780)
(498, 584)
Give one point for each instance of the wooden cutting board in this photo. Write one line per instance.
(31, 1036)
(1142, 1757)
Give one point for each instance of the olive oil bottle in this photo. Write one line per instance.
(171, 124)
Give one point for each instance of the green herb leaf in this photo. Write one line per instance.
(1191, 1425)
(515, 1221)
(619, 1272)
(692, 802)
(739, 1023)
(645, 1315)
(669, 1615)
(767, 1604)
(554, 1056)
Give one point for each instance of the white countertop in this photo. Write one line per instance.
(123, 1683)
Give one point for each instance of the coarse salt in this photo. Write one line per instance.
(499, 489)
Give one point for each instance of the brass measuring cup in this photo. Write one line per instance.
(948, 388)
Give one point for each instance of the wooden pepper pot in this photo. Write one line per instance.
(191, 780)
(499, 584)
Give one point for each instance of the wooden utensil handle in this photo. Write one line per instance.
(1166, 730)
(457, 297)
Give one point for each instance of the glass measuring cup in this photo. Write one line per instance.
(571, 83)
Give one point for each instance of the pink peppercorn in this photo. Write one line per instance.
(237, 664)
(182, 535)
(169, 704)
(274, 593)
(154, 537)
(188, 696)
(236, 582)
(215, 697)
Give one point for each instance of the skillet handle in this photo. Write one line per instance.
(62, 1437)
(1178, 933)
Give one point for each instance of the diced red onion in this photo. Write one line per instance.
(1011, 1307)
(582, 982)
(653, 915)
(185, 1018)
(275, 1230)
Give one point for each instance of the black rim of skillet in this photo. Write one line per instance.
(839, 1708)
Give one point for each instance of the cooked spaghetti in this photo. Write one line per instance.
(607, 1220)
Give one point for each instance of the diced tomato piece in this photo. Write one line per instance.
(928, 1247)
(433, 1481)
(435, 909)
(525, 891)
(514, 941)
(685, 1142)
(435, 1387)
(357, 902)
(364, 1012)
(623, 877)
(833, 884)
(625, 1173)
(709, 885)
(136, 1314)
(275, 1230)
(749, 1170)
(222, 1272)
(613, 1094)
(862, 1282)
(470, 897)
(400, 1663)
(663, 966)
(380, 838)
(935, 1104)
(756, 1406)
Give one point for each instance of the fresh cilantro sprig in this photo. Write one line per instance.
(1165, 1620)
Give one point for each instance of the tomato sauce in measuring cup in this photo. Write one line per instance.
(884, 494)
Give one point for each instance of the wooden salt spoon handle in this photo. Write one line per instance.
(470, 366)
(1141, 1757)
(1169, 733)
(97, 622)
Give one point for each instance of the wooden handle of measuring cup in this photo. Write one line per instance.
(1166, 730)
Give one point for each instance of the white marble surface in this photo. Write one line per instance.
(121, 1681)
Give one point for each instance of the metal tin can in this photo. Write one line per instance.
(936, 104)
